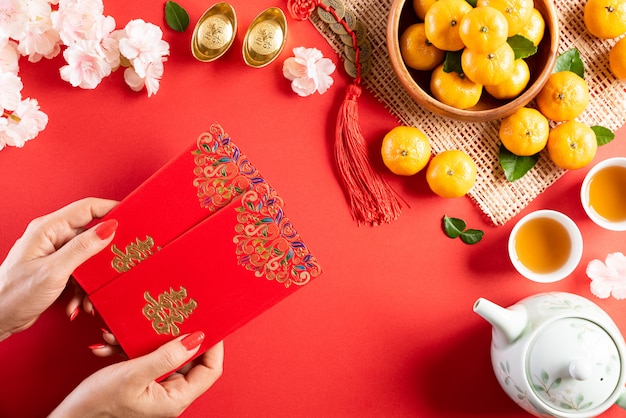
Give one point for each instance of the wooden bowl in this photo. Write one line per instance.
(417, 83)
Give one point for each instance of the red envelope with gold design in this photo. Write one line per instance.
(216, 254)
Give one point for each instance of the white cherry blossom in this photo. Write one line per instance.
(39, 40)
(85, 66)
(309, 71)
(10, 91)
(608, 278)
(78, 20)
(9, 57)
(23, 124)
(143, 45)
(92, 49)
(13, 18)
(151, 81)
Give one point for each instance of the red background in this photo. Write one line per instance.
(386, 331)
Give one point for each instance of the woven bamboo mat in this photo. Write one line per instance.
(499, 199)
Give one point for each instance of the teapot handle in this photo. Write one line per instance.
(621, 401)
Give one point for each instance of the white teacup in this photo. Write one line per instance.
(585, 191)
(545, 232)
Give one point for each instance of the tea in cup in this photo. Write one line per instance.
(545, 246)
(603, 194)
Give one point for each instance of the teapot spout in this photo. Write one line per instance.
(508, 324)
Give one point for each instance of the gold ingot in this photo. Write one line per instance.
(214, 33)
(265, 38)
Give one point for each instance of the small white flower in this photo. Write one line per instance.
(38, 9)
(32, 119)
(13, 18)
(23, 124)
(78, 20)
(608, 278)
(10, 91)
(9, 58)
(5, 132)
(85, 66)
(150, 81)
(39, 40)
(309, 71)
(110, 47)
(143, 45)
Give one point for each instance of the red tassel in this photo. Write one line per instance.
(372, 200)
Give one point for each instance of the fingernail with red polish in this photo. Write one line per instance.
(74, 313)
(193, 340)
(106, 229)
(96, 346)
(105, 331)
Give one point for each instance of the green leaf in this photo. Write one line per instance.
(472, 236)
(176, 17)
(570, 61)
(453, 226)
(452, 63)
(523, 47)
(514, 166)
(603, 135)
(472, 2)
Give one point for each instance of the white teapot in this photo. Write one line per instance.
(557, 355)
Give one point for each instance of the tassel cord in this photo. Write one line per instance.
(372, 200)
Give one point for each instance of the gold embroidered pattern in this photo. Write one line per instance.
(267, 243)
(222, 172)
(135, 253)
(169, 310)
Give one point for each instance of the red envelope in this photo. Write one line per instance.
(191, 187)
(214, 255)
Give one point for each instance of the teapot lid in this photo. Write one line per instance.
(574, 365)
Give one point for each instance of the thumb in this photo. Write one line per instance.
(84, 245)
(169, 357)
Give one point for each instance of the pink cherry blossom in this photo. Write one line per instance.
(111, 48)
(608, 278)
(309, 71)
(38, 9)
(91, 46)
(10, 91)
(78, 20)
(9, 58)
(143, 45)
(151, 81)
(32, 119)
(85, 66)
(39, 40)
(23, 124)
(13, 18)
(7, 132)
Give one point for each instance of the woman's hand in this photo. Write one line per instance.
(38, 266)
(130, 388)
